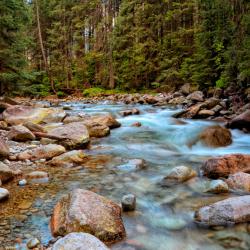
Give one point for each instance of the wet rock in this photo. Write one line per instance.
(34, 127)
(37, 175)
(170, 223)
(130, 112)
(85, 211)
(223, 166)
(79, 241)
(4, 149)
(33, 243)
(75, 134)
(239, 181)
(196, 96)
(75, 118)
(190, 112)
(20, 133)
(241, 121)
(4, 194)
(228, 211)
(218, 187)
(107, 120)
(133, 164)
(128, 202)
(6, 173)
(43, 152)
(216, 136)
(136, 124)
(75, 156)
(205, 113)
(178, 175)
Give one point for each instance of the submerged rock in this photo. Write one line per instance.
(132, 165)
(225, 165)
(4, 194)
(239, 181)
(43, 152)
(20, 133)
(85, 211)
(178, 175)
(229, 211)
(128, 202)
(37, 175)
(75, 134)
(128, 112)
(79, 241)
(216, 136)
(218, 187)
(241, 121)
(33, 243)
(6, 173)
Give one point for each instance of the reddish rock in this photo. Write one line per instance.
(85, 211)
(130, 112)
(4, 149)
(216, 136)
(226, 165)
(241, 121)
(6, 173)
(239, 181)
(136, 124)
(229, 211)
(107, 120)
(20, 133)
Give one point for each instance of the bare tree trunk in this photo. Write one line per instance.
(42, 47)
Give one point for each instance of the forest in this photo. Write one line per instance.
(64, 46)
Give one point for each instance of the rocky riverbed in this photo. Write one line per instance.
(74, 165)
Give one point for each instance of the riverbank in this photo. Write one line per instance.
(113, 149)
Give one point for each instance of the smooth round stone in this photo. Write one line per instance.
(172, 224)
(4, 194)
(32, 243)
(128, 202)
(218, 187)
(22, 182)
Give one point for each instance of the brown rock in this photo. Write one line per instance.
(226, 165)
(20, 133)
(136, 124)
(205, 113)
(6, 173)
(196, 96)
(34, 127)
(229, 211)
(4, 149)
(85, 211)
(130, 112)
(239, 181)
(241, 121)
(43, 152)
(216, 136)
(107, 120)
(75, 134)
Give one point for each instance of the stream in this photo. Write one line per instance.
(163, 219)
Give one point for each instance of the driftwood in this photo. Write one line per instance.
(45, 135)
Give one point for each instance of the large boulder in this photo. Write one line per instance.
(226, 165)
(4, 149)
(97, 130)
(241, 121)
(107, 120)
(239, 181)
(75, 156)
(55, 115)
(6, 173)
(216, 136)
(196, 96)
(42, 152)
(189, 113)
(178, 175)
(85, 211)
(20, 133)
(75, 134)
(16, 115)
(229, 211)
(79, 241)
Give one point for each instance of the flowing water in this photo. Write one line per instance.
(164, 216)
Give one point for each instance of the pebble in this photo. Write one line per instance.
(22, 182)
(32, 243)
(128, 202)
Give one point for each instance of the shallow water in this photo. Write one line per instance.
(164, 216)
